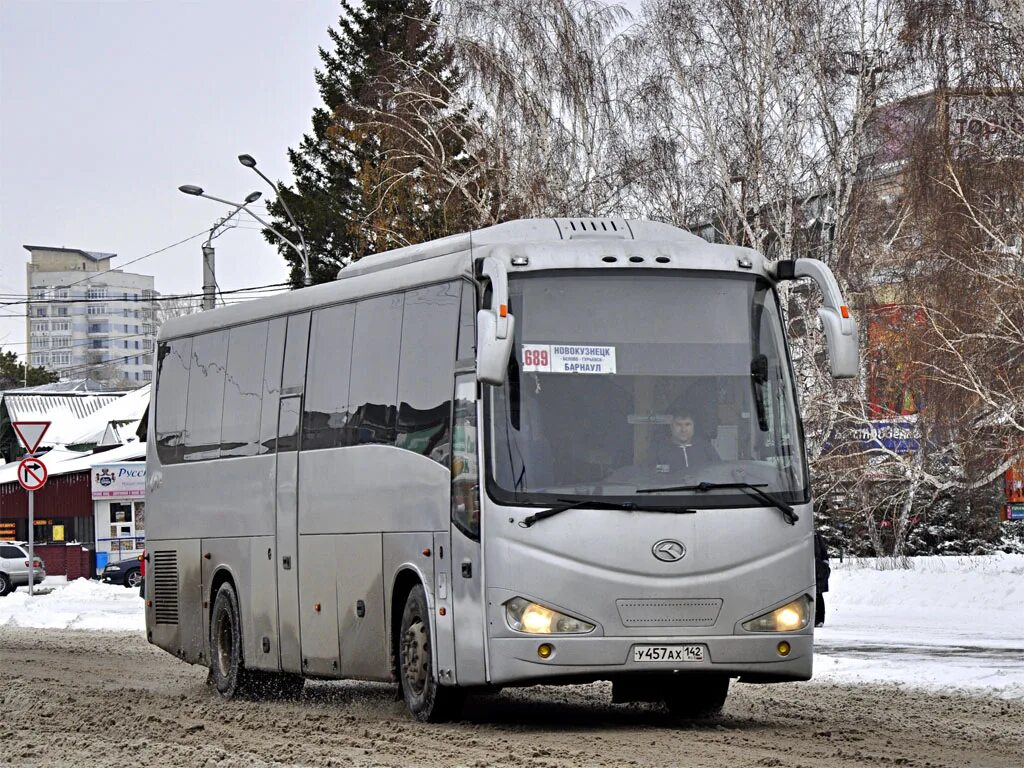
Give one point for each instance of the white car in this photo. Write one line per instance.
(14, 564)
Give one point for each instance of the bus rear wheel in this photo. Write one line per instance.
(696, 697)
(427, 700)
(227, 671)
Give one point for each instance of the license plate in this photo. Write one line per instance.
(668, 653)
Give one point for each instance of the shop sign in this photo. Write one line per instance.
(119, 481)
(1014, 512)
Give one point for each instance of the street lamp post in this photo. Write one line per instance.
(250, 162)
(191, 189)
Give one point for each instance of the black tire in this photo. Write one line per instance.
(697, 697)
(133, 578)
(227, 667)
(427, 701)
(5, 585)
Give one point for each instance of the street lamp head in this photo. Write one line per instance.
(190, 189)
(247, 160)
(252, 197)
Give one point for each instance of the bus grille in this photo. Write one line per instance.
(697, 612)
(165, 587)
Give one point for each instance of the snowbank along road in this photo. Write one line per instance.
(74, 698)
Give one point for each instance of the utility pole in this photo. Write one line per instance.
(209, 272)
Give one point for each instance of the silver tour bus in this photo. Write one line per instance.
(549, 451)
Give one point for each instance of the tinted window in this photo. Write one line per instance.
(374, 381)
(429, 331)
(288, 423)
(467, 322)
(205, 396)
(294, 375)
(330, 352)
(171, 396)
(12, 552)
(465, 469)
(272, 384)
(243, 390)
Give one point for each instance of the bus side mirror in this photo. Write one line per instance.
(495, 327)
(840, 326)
(492, 351)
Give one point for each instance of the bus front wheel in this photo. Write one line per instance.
(428, 701)
(694, 697)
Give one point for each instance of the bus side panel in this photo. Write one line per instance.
(263, 601)
(230, 555)
(175, 586)
(205, 499)
(318, 606)
(372, 489)
(361, 591)
(444, 626)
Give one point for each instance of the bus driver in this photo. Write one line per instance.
(683, 449)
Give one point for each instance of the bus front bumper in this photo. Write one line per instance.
(753, 658)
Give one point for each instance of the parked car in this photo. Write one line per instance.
(127, 572)
(14, 567)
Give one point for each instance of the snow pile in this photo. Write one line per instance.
(948, 622)
(80, 604)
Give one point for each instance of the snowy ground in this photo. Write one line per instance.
(947, 623)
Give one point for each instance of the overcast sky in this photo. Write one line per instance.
(106, 108)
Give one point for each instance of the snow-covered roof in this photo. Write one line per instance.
(64, 411)
(68, 386)
(122, 416)
(62, 461)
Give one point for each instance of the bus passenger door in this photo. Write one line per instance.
(288, 420)
(466, 565)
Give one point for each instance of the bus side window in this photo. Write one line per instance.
(273, 361)
(326, 411)
(465, 472)
(243, 390)
(467, 322)
(425, 370)
(205, 396)
(171, 397)
(373, 391)
(293, 379)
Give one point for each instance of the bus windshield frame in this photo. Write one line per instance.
(607, 367)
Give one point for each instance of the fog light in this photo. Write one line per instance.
(544, 650)
(783, 648)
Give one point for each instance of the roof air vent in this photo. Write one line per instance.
(579, 228)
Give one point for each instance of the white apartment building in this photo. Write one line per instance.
(103, 325)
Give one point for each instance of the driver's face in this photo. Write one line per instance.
(682, 429)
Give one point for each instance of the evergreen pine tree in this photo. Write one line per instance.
(363, 181)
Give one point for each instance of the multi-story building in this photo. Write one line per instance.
(86, 319)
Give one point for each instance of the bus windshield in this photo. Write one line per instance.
(625, 382)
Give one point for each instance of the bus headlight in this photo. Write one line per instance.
(791, 617)
(524, 616)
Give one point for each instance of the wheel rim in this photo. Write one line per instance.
(415, 657)
(134, 579)
(223, 634)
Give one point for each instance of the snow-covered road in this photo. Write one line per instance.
(947, 623)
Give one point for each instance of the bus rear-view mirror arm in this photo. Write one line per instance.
(495, 327)
(840, 325)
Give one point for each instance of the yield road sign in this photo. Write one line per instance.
(32, 474)
(30, 433)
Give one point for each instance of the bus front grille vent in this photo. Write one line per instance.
(694, 612)
(165, 587)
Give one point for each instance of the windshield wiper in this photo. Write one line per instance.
(628, 506)
(751, 489)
